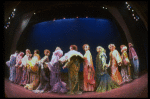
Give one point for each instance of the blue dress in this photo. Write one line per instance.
(54, 66)
(11, 64)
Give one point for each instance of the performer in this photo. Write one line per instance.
(25, 76)
(73, 59)
(44, 73)
(55, 75)
(88, 70)
(114, 62)
(125, 68)
(34, 71)
(19, 68)
(134, 61)
(11, 64)
(105, 83)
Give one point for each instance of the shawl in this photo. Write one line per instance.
(24, 60)
(56, 56)
(69, 55)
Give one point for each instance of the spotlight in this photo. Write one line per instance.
(132, 10)
(103, 7)
(126, 2)
(14, 9)
(132, 14)
(34, 13)
(134, 17)
(9, 18)
(5, 27)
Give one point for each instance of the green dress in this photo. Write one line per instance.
(104, 81)
(73, 69)
(72, 60)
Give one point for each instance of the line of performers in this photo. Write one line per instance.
(41, 75)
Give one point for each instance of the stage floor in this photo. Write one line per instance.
(138, 88)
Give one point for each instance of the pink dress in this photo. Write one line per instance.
(18, 68)
(88, 72)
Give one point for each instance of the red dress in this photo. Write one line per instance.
(88, 72)
(115, 58)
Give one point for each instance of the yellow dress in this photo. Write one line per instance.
(34, 73)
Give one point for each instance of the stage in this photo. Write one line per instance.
(138, 88)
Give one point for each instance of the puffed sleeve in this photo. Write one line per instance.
(118, 57)
(87, 57)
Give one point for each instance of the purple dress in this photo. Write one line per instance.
(11, 64)
(25, 75)
(18, 68)
(55, 78)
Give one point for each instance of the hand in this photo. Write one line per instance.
(64, 67)
(107, 65)
(37, 62)
(30, 55)
(135, 57)
(119, 63)
(21, 65)
(16, 65)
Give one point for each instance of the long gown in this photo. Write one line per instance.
(88, 72)
(104, 81)
(55, 75)
(125, 68)
(73, 64)
(33, 72)
(115, 58)
(11, 64)
(19, 68)
(134, 63)
(25, 77)
(44, 76)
